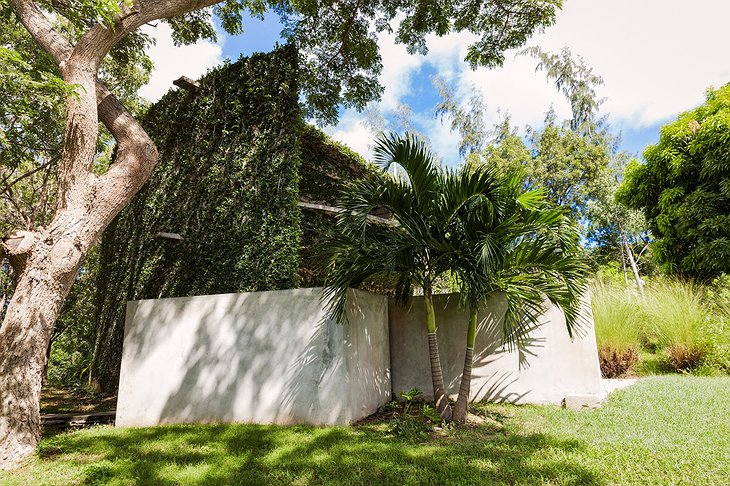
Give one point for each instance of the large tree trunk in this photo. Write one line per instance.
(460, 409)
(87, 202)
(437, 378)
(24, 338)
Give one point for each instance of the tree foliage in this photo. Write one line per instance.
(576, 161)
(683, 187)
(575, 79)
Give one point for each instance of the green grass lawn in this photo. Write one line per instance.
(664, 430)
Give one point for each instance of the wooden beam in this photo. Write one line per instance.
(333, 210)
(168, 236)
(187, 84)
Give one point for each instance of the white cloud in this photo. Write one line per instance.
(171, 62)
(352, 131)
(398, 70)
(657, 57)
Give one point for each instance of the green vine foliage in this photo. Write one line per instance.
(235, 160)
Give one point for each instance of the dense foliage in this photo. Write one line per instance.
(684, 189)
(326, 165)
(235, 160)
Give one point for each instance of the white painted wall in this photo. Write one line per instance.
(549, 369)
(264, 357)
(271, 357)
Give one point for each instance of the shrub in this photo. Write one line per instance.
(616, 363)
(683, 357)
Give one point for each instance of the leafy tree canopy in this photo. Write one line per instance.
(683, 187)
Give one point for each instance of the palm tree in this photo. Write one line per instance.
(415, 247)
(514, 244)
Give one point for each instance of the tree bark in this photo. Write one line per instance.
(87, 202)
(24, 337)
(634, 268)
(461, 407)
(437, 378)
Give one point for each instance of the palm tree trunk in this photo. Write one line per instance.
(460, 409)
(439, 395)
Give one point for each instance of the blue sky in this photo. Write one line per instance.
(657, 57)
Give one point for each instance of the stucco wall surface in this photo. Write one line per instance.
(264, 357)
(550, 368)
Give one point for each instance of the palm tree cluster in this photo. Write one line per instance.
(474, 223)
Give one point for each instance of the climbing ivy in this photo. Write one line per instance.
(235, 160)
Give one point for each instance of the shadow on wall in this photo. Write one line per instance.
(266, 357)
(272, 357)
(545, 369)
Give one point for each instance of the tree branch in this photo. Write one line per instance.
(43, 31)
(99, 39)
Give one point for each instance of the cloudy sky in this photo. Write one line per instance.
(657, 58)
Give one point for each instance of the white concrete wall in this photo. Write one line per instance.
(270, 357)
(264, 357)
(549, 369)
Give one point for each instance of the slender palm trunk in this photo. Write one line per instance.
(460, 409)
(437, 378)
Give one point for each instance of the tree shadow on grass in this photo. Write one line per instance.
(258, 454)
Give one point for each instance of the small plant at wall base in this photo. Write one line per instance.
(411, 419)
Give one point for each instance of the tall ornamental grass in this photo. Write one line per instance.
(676, 318)
(617, 320)
(686, 324)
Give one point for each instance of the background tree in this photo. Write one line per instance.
(340, 63)
(576, 161)
(684, 190)
(468, 123)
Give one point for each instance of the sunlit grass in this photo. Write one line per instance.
(664, 430)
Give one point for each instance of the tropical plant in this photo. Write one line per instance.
(411, 250)
(512, 242)
(474, 223)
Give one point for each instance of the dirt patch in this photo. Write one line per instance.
(63, 400)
